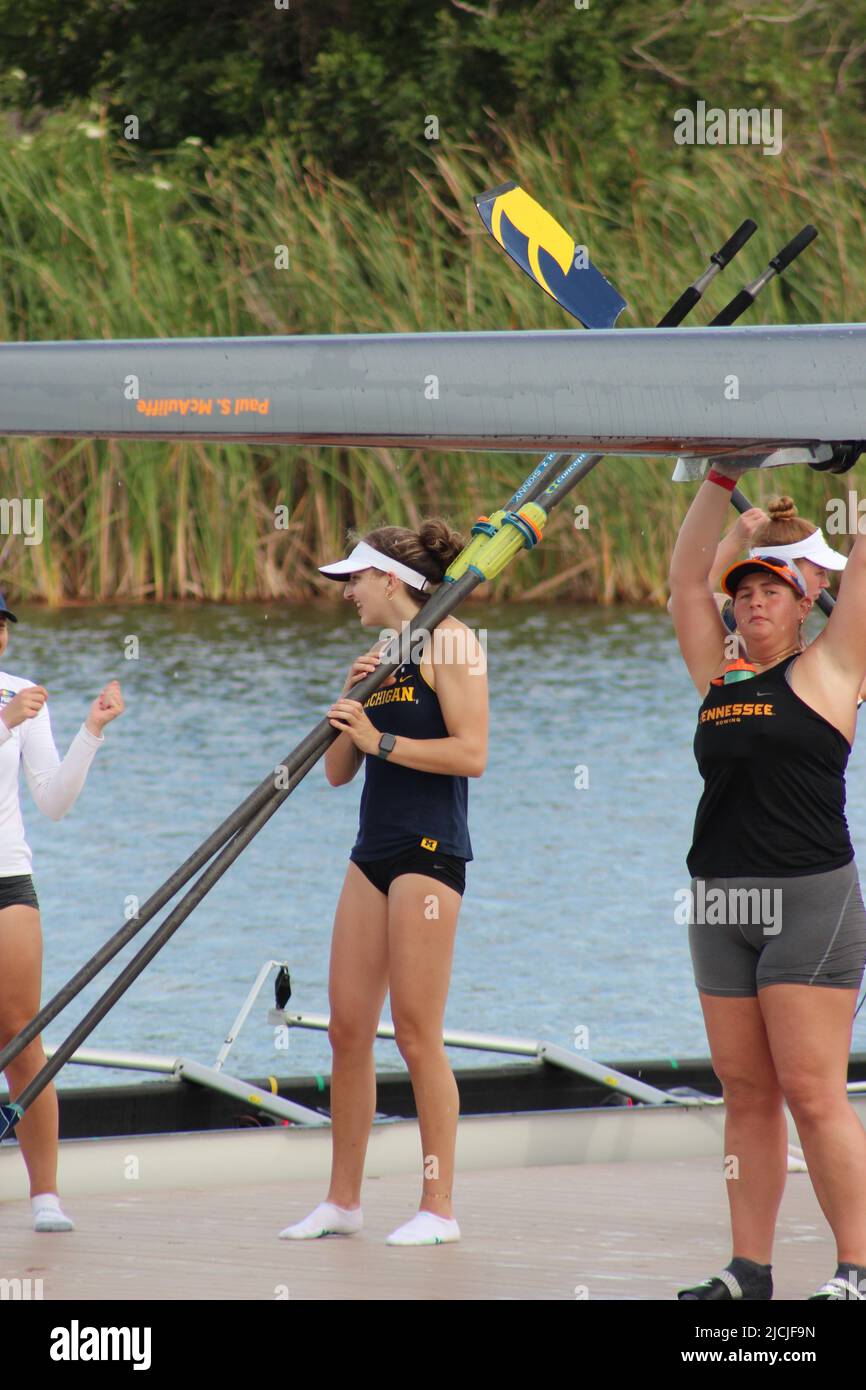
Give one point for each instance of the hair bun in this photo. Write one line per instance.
(782, 509)
(439, 540)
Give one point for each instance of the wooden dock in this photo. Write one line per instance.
(605, 1231)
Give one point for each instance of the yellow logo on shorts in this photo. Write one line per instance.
(429, 844)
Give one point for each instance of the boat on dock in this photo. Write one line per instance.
(192, 1125)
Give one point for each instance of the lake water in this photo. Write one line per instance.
(568, 919)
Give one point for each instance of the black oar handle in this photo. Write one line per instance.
(825, 601)
(797, 244)
(683, 306)
(735, 243)
(780, 262)
(718, 260)
(732, 311)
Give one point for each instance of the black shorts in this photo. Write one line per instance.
(16, 890)
(447, 868)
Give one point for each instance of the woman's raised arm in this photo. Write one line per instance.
(697, 621)
(842, 644)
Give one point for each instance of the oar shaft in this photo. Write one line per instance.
(146, 912)
(438, 606)
(316, 742)
(582, 464)
(264, 800)
(145, 955)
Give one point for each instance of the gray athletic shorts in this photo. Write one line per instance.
(746, 933)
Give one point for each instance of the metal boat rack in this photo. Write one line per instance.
(182, 1068)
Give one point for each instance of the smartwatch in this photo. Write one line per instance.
(386, 744)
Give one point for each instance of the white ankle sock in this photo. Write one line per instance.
(326, 1220)
(426, 1228)
(48, 1215)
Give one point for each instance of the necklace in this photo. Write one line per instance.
(765, 665)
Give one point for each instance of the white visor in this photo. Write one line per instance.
(813, 548)
(364, 557)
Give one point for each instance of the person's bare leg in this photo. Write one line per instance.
(756, 1135)
(809, 1029)
(422, 920)
(358, 983)
(20, 989)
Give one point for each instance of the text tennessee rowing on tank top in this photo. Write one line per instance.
(774, 783)
(402, 808)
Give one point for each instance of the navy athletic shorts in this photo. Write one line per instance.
(447, 868)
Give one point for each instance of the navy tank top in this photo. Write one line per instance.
(402, 808)
(774, 783)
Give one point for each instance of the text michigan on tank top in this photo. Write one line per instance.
(402, 808)
(774, 783)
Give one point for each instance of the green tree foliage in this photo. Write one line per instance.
(351, 84)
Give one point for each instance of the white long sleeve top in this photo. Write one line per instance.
(54, 784)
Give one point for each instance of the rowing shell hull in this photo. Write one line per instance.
(692, 391)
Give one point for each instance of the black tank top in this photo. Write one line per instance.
(774, 783)
(402, 808)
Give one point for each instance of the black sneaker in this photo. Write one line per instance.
(838, 1288)
(722, 1286)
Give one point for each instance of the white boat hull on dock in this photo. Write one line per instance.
(240, 1157)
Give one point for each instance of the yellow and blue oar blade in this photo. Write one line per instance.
(549, 256)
